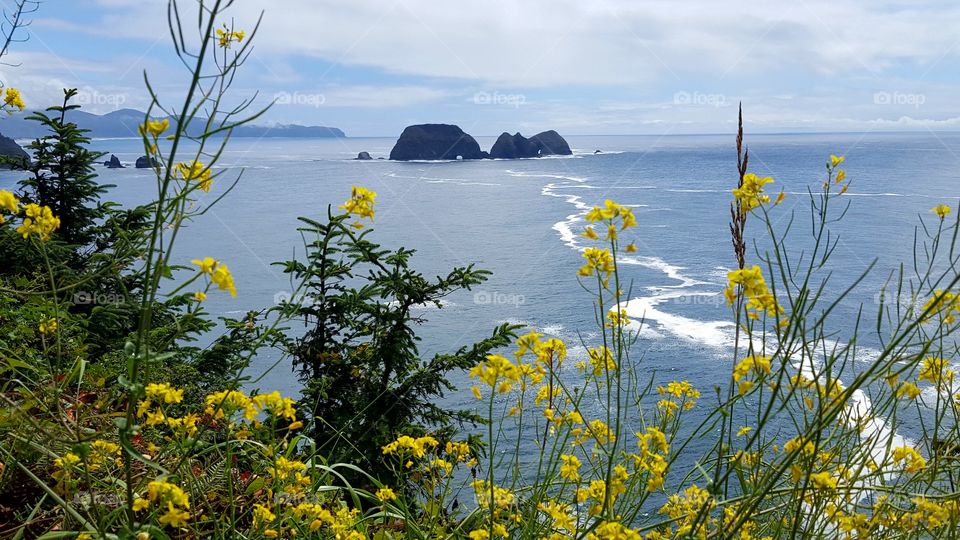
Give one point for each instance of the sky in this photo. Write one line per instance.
(371, 67)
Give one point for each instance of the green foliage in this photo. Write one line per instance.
(364, 378)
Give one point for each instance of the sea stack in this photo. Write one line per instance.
(144, 162)
(551, 143)
(113, 163)
(435, 142)
(513, 147)
(517, 146)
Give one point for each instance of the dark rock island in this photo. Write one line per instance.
(113, 163)
(517, 146)
(435, 141)
(144, 162)
(448, 142)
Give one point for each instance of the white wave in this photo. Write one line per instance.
(710, 333)
(520, 174)
(440, 180)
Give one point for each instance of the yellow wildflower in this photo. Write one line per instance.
(47, 326)
(570, 467)
(497, 372)
(174, 517)
(154, 127)
(13, 98)
(225, 37)
(941, 210)
(38, 220)
(8, 202)
(908, 390)
(223, 279)
(910, 457)
(417, 446)
(750, 194)
(386, 494)
(196, 171)
(360, 203)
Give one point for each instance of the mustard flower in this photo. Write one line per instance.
(38, 220)
(13, 98)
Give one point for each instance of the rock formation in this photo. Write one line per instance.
(435, 141)
(113, 163)
(144, 162)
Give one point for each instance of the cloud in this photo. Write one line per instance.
(603, 42)
(604, 64)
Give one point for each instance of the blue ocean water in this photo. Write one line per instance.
(520, 218)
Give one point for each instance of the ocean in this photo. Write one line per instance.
(520, 219)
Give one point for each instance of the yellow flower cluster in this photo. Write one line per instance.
(652, 459)
(405, 444)
(936, 371)
(360, 203)
(226, 403)
(38, 220)
(911, 459)
(225, 37)
(154, 128)
(941, 210)
(944, 304)
(839, 175)
(758, 365)
(8, 202)
(290, 474)
(195, 171)
(750, 194)
(754, 287)
(151, 407)
(99, 453)
(599, 262)
(612, 213)
(601, 360)
(385, 494)
(219, 274)
(47, 326)
(570, 467)
(12, 98)
(678, 394)
(168, 498)
(560, 519)
(497, 372)
(340, 522)
(690, 511)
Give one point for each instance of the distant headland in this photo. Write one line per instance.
(124, 123)
(449, 142)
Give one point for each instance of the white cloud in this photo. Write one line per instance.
(549, 42)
